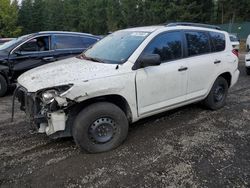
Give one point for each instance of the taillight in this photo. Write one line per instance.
(235, 52)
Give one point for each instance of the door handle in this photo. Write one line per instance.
(217, 61)
(49, 59)
(182, 69)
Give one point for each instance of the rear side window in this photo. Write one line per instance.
(197, 42)
(167, 45)
(218, 40)
(88, 41)
(71, 42)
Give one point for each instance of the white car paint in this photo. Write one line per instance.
(248, 43)
(235, 41)
(148, 91)
(247, 60)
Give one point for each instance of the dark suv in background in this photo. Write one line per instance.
(33, 50)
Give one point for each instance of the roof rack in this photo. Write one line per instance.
(193, 24)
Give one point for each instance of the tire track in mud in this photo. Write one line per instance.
(22, 150)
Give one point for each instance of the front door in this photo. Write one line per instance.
(159, 87)
(31, 54)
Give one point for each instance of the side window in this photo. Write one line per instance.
(197, 43)
(69, 42)
(218, 40)
(88, 41)
(38, 44)
(167, 45)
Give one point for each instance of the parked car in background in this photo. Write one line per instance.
(247, 63)
(248, 43)
(129, 75)
(33, 50)
(4, 40)
(235, 41)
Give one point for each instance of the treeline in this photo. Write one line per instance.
(101, 16)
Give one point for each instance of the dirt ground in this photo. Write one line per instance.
(187, 147)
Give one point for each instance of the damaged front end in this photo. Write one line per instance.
(47, 109)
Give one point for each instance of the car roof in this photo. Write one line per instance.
(65, 32)
(151, 29)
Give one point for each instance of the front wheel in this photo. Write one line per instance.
(216, 98)
(100, 127)
(3, 86)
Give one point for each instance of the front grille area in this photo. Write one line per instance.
(31, 105)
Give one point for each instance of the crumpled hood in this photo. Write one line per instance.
(65, 72)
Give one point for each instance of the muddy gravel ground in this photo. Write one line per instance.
(187, 147)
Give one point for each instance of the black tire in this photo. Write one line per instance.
(248, 71)
(3, 86)
(216, 98)
(100, 118)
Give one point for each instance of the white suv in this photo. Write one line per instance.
(129, 75)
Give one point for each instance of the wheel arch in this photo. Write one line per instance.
(118, 100)
(227, 76)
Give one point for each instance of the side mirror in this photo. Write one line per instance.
(147, 60)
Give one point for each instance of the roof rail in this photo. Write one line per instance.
(193, 24)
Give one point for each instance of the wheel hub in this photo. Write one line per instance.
(102, 130)
(219, 93)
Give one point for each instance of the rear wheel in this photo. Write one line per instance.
(100, 127)
(3, 86)
(216, 98)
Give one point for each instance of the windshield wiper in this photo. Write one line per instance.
(83, 56)
(95, 59)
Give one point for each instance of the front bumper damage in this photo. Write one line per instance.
(51, 119)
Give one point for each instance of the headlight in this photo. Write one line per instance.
(49, 95)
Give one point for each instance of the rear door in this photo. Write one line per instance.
(202, 63)
(66, 46)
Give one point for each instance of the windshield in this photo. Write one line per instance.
(116, 48)
(12, 42)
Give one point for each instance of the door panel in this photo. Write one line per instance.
(202, 71)
(33, 53)
(160, 86)
(201, 64)
(25, 62)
